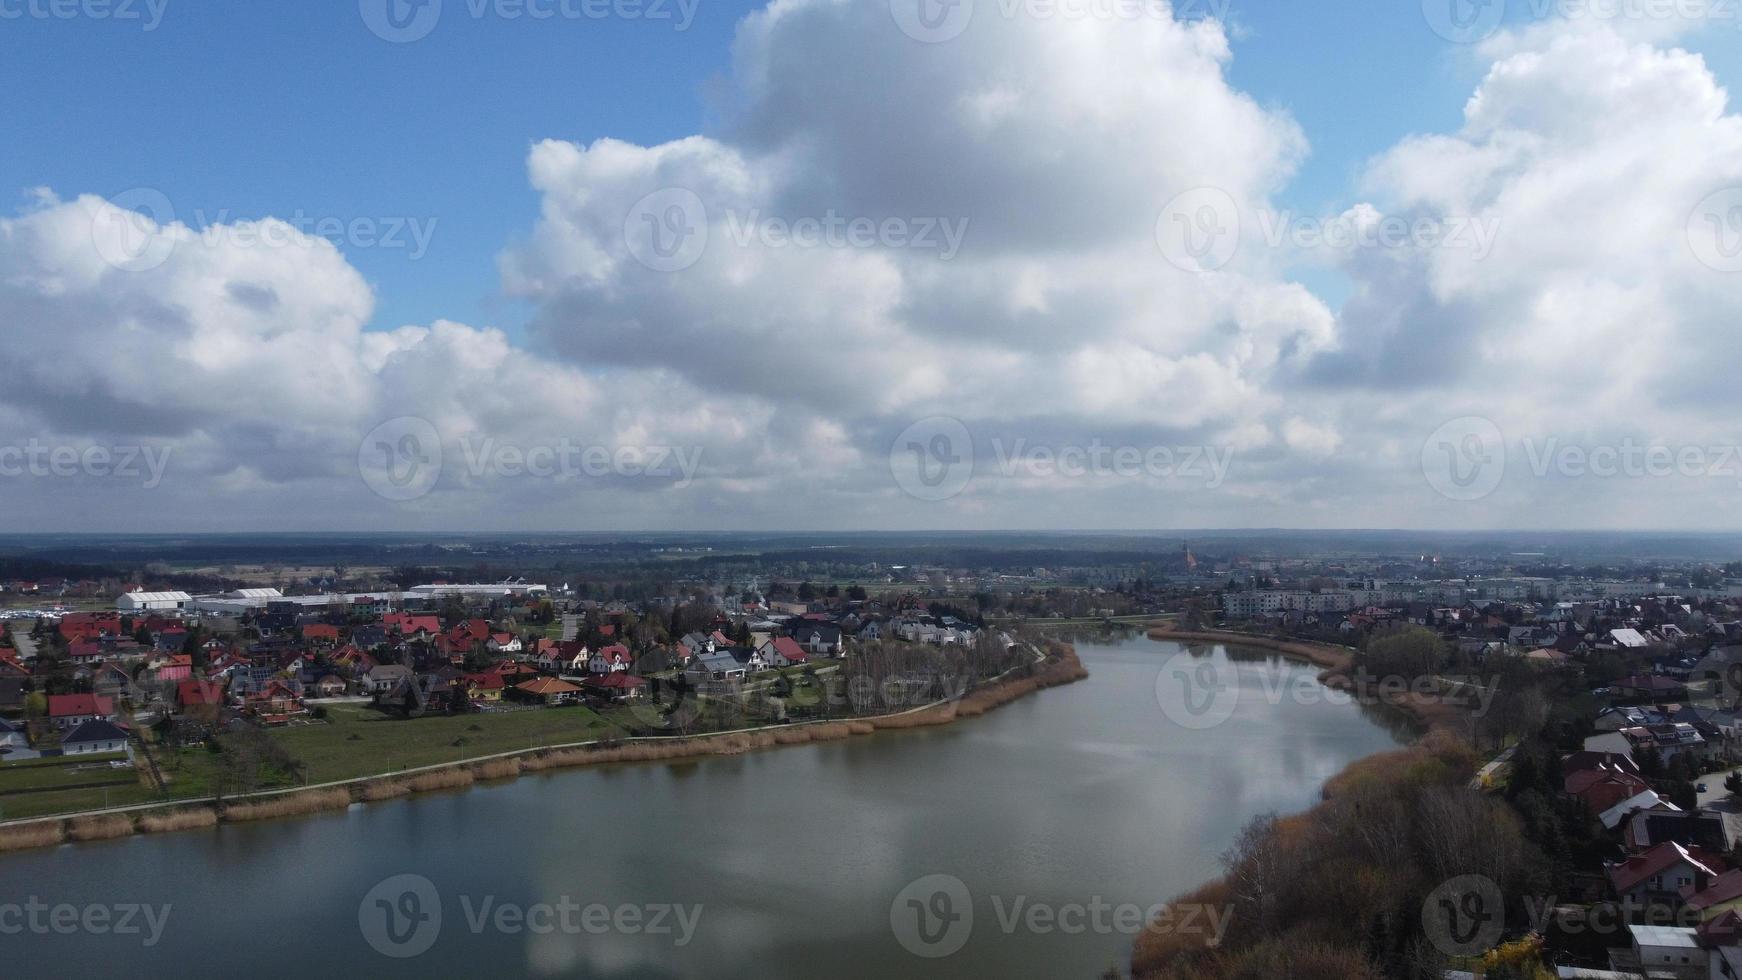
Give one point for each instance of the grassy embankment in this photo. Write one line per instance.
(352, 739)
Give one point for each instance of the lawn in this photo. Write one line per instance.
(46, 774)
(74, 800)
(358, 741)
(29, 788)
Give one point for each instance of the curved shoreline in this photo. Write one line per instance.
(1156, 947)
(1062, 666)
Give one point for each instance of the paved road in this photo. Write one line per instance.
(1715, 791)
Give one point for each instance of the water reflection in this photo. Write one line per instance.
(1081, 793)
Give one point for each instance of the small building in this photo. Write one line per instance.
(99, 735)
(68, 711)
(616, 686)
(783, 651)
(549, 691)
(139, 601)
(384, 678)
(1668, 951)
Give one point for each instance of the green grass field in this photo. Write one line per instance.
(358, 741)
(44, 774)
(28, 789)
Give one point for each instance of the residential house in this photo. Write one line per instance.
(486, 686)
(199, 699)
(783, 651)
(820, 639)
(612, 659)
(549, 691)
(696, 644)
(68, 711)
(1667, 952)
(1660, 875)
(96, 735)
(616, 686)
(1722, 894)
(1650, 686)
(384, 678)
(715, 669)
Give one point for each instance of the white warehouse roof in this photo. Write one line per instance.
(157, 596)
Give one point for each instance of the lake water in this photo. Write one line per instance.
(1077, 799)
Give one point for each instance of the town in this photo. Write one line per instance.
(171, 695)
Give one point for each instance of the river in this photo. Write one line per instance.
(1087, 802)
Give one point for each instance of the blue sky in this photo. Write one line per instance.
(253, 109)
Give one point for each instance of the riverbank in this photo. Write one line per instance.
(1160, 949)
(1336, 665)
(1061, 666)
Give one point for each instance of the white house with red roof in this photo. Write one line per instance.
(783, 651)
(69, 711)
(1662, 874)
(610, 660)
